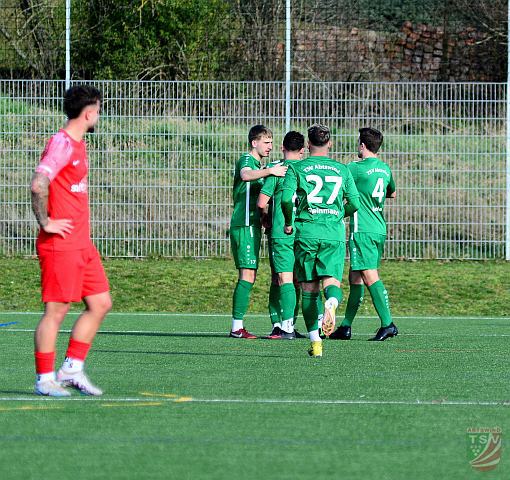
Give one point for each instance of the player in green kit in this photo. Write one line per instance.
(281, 246)
(367, 227)
(322, 185)
(245, 228)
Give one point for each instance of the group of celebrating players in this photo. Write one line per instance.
(301, 203)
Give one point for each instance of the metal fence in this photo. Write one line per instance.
(164, 152)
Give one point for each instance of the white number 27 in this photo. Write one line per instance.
(313, 198)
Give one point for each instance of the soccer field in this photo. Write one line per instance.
(182, 400)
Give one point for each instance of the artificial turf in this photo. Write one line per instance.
(184, 401)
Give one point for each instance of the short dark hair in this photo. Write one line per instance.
(319, 135)
(78, 97)
(371, 137)
(258, 131)
(293, 141)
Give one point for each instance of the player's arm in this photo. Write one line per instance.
(351, 196)
(263, 206)
(390, 189)
(265, 195)
(248, 174)
(56, 156)
(288, 190)
(40, 188)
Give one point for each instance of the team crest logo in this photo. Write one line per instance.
(484, 448)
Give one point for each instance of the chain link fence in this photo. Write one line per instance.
(163, 156)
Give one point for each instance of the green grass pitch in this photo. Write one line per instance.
(184, 401)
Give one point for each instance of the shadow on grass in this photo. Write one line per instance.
(20, 392)
(222, 354)
(164, 334)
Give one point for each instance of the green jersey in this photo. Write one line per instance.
(321, 185)
(375, 182)
(245, 194)
(273, 187)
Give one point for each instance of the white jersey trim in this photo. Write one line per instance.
(247, 209)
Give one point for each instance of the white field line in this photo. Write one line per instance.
(259, 315)
(224, 332)
(262, 401)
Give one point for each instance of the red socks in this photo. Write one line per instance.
(77, 350)
(44, 362)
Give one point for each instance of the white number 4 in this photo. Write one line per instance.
(379, 192)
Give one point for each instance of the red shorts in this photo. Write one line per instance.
(69, 276)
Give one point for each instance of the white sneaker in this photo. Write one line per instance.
(50, 388)
(78, 380)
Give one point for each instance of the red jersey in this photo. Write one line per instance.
(64, 162)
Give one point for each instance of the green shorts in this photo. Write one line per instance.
(319, 258)
(281, 254)
(245, 245)
(366, 250)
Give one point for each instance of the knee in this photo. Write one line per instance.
(56, 313)
(101, 305)
(105, 305)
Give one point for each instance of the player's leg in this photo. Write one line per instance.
(98, 302)
(306, 254)
(309, 294)
(245, 242)
(373, 246)
(330, 265)
(274, 299)
(283, 261)
(333, 295)
(72, 373)
(45, 339)
(61, 282)
(381, 303)
(356, 291)
(288, 303)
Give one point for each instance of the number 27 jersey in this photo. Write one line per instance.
(374, 180)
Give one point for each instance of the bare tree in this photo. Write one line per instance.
(34, 31)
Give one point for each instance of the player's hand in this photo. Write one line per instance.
(266, 221)
(61, 227)
(279, 170)
(288, 230)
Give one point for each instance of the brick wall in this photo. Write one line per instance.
(417, 52)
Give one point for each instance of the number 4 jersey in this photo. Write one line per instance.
(321, 185)
(375, 182)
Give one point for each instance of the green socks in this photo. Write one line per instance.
(381, 302)
(298, 298)
(320, 305)
(333, 291)
(287, 300)
(353, 303)
(310, 310)
(241, 299)
(274, 304)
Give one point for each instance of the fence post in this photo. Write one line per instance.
(287, 64)
(68, 44)
(507, 222)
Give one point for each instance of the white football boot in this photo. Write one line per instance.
(78, 380)
(50, 388)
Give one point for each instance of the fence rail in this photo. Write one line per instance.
(163, 156)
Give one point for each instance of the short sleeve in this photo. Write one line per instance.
(269, 186)
(56, 156)
(290, 182)
(350, 186)
(247, 161)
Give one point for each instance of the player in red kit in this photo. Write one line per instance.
(71, 269)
